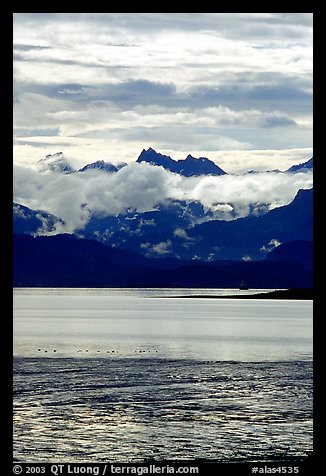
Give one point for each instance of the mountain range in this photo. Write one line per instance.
(270, 251)
(188, 167)
(270, 248)
(302, 167)
(169, 231)
(68, 261)
(30, 221)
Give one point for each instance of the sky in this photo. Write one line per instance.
(233, 87)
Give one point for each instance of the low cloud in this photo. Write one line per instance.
(272, 244)
(162, 248)
(181, 233)
(76, 197)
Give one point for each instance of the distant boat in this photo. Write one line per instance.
(243, 286)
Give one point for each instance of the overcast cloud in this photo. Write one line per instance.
(235, 87)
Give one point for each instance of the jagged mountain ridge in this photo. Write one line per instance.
(302, 167)
(170, 231)
(179, 228)
(188, 167)
(55, 163)
(245, 238)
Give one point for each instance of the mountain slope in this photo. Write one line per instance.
(55, 163)
(30, 221)
(246, 238)
(66, 261)
(188, 167)
(300, 251)
(302, 167)
(171, 230)
(133, 229)
(101, 165)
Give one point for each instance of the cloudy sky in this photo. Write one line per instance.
(234, 87)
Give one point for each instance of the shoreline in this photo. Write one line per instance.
(291, 294)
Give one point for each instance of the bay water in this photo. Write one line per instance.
(130, 375)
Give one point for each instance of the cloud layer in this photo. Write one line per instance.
(104, 86)
(78, 196)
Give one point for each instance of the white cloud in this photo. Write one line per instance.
(114, 83)
(240, 161)
(273, 243)
(181, 233)
(76, 197)
(243, 190)
(162, 248)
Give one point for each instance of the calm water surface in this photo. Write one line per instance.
(124, 323)
(125, 375)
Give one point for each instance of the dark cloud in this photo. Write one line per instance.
(238, 96)
(37, 132)
(54, 91)
(22, 47)
(17, 56)
(287, 89)
(277, 122)
(34, 143)
(231, 24)
(287, 94)
(136, 92)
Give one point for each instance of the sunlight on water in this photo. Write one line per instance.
(130, 410)
(72, 323)
(103, 374)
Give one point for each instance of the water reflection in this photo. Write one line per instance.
(84, 410)
(99, 322)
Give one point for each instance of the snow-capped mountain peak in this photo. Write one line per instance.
(55, 163)
(101, 165)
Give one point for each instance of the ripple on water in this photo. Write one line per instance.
(84, 410)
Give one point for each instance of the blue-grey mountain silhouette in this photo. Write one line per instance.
(309, 165)
(68, 261)
(30, 221)
(188, 167)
